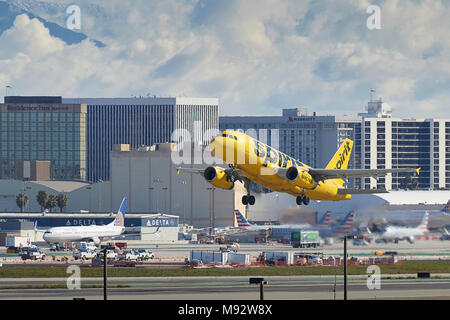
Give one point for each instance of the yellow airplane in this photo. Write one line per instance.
(250, 160)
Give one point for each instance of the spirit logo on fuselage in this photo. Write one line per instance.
(268, 154)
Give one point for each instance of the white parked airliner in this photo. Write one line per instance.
(92, 233)
(393, 233)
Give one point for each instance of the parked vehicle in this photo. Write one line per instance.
(18, 242)
(32, 254)
(360, 242)
(305, 239)
(129, 255)
(87, 245)
(111, 254)
(145, 254)
(84, 254)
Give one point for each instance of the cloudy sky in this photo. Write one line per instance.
(256, 56)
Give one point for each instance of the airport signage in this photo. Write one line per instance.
(80, 222)
(159, 222)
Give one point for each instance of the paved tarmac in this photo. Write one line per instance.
(234, 288)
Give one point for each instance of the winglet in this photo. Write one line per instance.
(417, 171)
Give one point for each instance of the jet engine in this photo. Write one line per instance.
(300, 178)
(218, 178)
(96, 241)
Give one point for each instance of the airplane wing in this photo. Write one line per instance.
(324, 174)
(361, 191)
(190, 170)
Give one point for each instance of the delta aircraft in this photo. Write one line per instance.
(90, 233)
(249, 160)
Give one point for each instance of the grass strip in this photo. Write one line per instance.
(42, 271)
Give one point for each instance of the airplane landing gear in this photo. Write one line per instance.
(302, 199)
(248, 199)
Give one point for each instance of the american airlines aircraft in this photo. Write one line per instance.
(92, 233)
(243, 223)
(392, 233)
(283, 231)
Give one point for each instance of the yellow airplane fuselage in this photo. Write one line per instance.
(265, 165)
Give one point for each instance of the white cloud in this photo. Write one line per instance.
(253, 55)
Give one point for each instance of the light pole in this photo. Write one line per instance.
(184, 183)
(165, 198)
(345, 267)
(211, 210)
(156, 181)
(334, 288)
(90, 196)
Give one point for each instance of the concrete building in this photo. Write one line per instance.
(149, 179)
(43, 129)
(390, 142)
(141, 121)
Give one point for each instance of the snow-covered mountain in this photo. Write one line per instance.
(34, 9)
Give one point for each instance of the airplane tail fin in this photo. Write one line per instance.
(242, 222)
(446, 209)
(119, 221)
(325, 220)
(424, 223)
(341, 158)
(347, 224)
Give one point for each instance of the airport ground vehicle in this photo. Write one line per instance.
(228, 248)
(88, 246)
(145, 254)
(121, 245)
(310, 258)
(17, 242)
(305, 239)
(110, 254)
(84, 254)
(32, 254)
(128, 255)
(360, 242)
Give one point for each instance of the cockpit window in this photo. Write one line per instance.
(229, 136)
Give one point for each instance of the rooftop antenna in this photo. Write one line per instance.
(6, 89)
(371, 93)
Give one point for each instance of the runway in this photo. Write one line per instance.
(234, 288)
(238, 288)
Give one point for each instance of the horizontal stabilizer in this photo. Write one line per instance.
(361, 191)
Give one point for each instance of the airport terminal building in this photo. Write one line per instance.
(141, 226)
